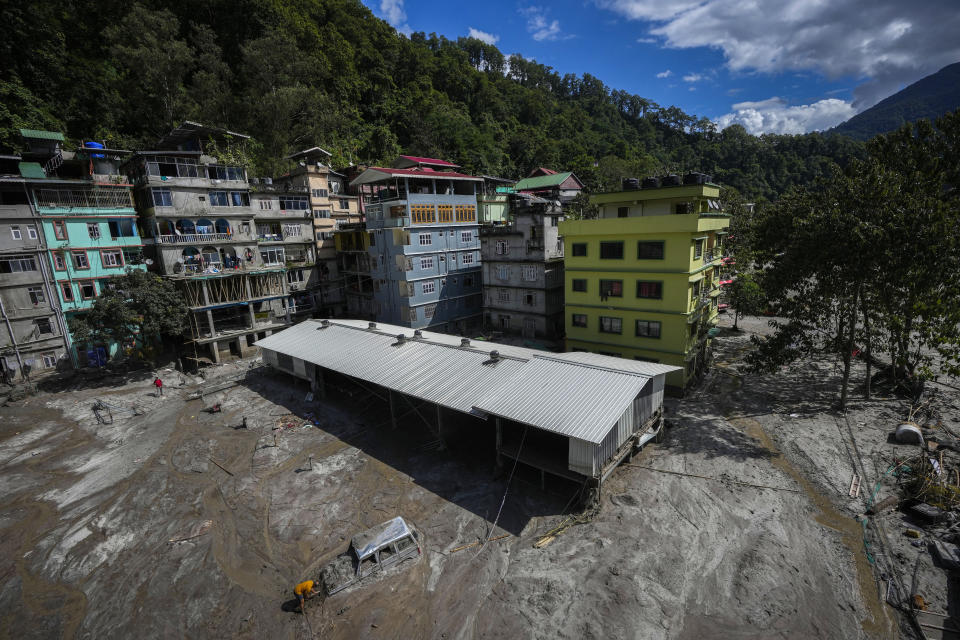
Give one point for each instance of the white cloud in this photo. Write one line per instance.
(540, 27)
(773, 115)
(693, 77)
(392, 11)
(647, 40)
(883, 43)
(665, 74)
(489, 38)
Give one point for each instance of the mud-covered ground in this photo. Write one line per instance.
(173, 522)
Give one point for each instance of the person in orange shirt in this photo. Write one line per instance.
(303, 591)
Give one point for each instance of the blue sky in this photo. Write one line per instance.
(781, 66)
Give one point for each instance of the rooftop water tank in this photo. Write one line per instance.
(651, 183)
(630, 184)
(671, 180)
(94, 145)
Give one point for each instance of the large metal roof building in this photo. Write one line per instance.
(599, 407)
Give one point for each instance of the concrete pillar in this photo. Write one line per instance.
(213, 331)
(253, 319)
(215, 352)
(321, 389)
(206, 294)
(440, 426)
(499, 441)
(393, 414)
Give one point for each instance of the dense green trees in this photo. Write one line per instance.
(328, 73)
(867, 259)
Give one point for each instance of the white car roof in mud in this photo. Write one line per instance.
(373, 538)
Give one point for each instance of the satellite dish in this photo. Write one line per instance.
(148, 262)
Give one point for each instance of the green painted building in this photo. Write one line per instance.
(642, 280)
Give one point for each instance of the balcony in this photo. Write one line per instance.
(271, 237)
(198, 238)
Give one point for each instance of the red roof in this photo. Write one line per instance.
(431, 161)
(422, 172)
(541, 171)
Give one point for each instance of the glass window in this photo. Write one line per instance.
(502, 247)
(88, 289)
(294, 203)
(15, 232)
(49, 359)
(579, 284)
(321, 213)
(466, 236)
(425, 239)
(32, 231)
(67, 291)
(503, 295)
(648, 329)
(93, 230)
(697, 249)
(429, 286)
(580, 249)
(611, 250)
(649, 289)
(612, 288)
(611, 325)
(580, 320)
(36, 295)
(43, 326)
(60, 229)
(272, 256)
(162, 198)
(650, 250)
(80, 260)
(426, 263)
(17, 264)
(111, 258)
(59, 262)
(468, 258)
(219, 199)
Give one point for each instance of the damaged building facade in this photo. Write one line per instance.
(571, 415)
(201, 230)
(523, 270)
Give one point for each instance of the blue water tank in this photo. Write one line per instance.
(94, 145)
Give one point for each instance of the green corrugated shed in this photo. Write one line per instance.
(540, 182)
(41, 135)
(32, 170)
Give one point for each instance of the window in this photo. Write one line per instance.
(426, 263)
(295, 276)
(649, 289)
(579, 249)
(49, 359)
(60, 229)
(579, 284)
(503, 273)
(412, 314)
(162, 198)
(466, 213)
(32, 231)
(80, 260)
(36, 295)
(697, 249)
(503, 295)
(112, 258)
(695, 289)
(43, 326)
(428, 311)
(93, 230)
(580, 320)
(530, 299)
(425, 239)
(272, 255)
(611, 250)
(611, 325)
(623, 212)
(17, 264)
(319, 193)
(132, 255)
(291, 230)
(266, 204)
(294, 203)
(321, 213)
(88, 289)
(529, 273)
(648, 329)
(445, 212)
(219, 199)
(15, 232)
(502, 248)
(429, 287)
(650, 251)
(467, 258)
(344, 204)
(122, 228)
(422, 213)
(66, 289)
(466, 237)
(59, 262)
(610, 288)
(225, 173)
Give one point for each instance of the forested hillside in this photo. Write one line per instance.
(927, 98)
(299, 73)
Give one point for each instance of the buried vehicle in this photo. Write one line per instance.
(373, 551)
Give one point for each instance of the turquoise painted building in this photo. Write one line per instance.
(89, 226)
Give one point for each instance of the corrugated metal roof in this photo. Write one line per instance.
(32, 170)
(539, 182)
(574, 394)
(37, 134)
(377, 174)
(572, 400)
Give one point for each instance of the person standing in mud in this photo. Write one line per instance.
(303, 591)
(158, 383)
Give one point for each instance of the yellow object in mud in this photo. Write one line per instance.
(303, 588)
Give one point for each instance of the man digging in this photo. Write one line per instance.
(303, 591)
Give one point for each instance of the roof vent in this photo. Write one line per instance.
(417, 333)
(372, 325)
(494, 355)
(464, 342)
(325, 324)
(400, 340)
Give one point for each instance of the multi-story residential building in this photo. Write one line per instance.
(548, 184)
(200, 229)
(423, 244)
(493, 200)
(34, 338)
(642, 280)
(353, 264)
(523, 270)
(332, 207)
(88, 223)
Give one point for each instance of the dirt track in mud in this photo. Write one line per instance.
(754, 548)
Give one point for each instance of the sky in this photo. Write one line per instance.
(774, 66)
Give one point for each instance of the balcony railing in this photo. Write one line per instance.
(195, 238)
(270, 237)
